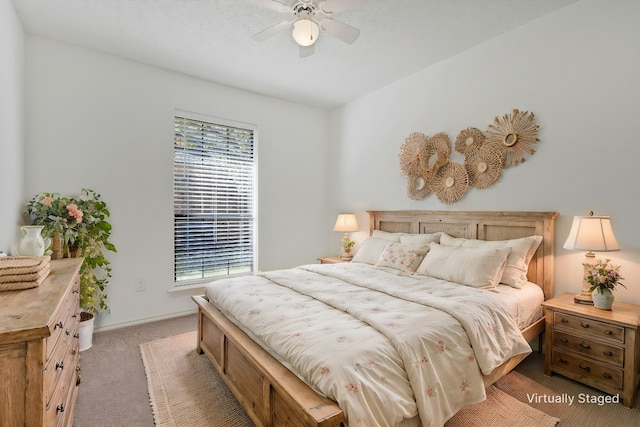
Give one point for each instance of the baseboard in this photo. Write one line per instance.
(145, 320)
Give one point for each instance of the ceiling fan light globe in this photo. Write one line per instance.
(305, 32)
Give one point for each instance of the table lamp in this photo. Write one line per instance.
(346, 223)
(591, 234)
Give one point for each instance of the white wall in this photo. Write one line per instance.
(105, 123)
(577, 70)
(12, 53)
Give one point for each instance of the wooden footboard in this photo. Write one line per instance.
(270, 393)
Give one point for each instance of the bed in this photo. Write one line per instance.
(275, 391)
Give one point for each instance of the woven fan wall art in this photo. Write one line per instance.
(425, 161)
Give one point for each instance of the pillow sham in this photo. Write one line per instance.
(420, 238)
(403, 257)
(522, 250)
(475, 267)
(391, 237)
(370, 250)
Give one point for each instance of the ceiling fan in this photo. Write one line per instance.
(311, 16)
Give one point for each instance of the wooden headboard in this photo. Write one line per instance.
(483, 225)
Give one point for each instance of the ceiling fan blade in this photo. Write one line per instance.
(334, 6)
(306, 51)
(270, 31)
(340, 30)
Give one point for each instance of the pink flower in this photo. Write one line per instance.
(74, 211)
(47, 201)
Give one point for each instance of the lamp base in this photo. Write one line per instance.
(583, 299)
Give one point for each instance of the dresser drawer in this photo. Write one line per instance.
(589, 348)
(586, 368)
(63, 318)
(593, 328)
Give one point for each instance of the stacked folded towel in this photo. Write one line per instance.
(23, 272)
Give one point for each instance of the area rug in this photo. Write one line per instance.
(185, 390)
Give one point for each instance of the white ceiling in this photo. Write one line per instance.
(211, 39)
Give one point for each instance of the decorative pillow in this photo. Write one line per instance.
(420, 238)
(391, 237)
(476, 267)
(403, 257)
(370, 250)
(522, 250)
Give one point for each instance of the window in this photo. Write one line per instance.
(213, 187)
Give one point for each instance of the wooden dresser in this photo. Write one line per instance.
(599, 348)
(39, 349)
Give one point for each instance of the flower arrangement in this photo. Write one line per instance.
(603, 275)
(82, 222)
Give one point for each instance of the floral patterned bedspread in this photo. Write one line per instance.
(386, 347)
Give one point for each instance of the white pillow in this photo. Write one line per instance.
(391, 237)
(475, 267)
(370, 250)
(403, 257)
(420, 238)
(522, 250)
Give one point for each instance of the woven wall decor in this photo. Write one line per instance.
(417, 187)
(413, 155)
(469, 140)
(450, 183)
(425, 161)
(438, 150)
(515, 135)
(483, 166)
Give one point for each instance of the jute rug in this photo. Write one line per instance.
(185, 390)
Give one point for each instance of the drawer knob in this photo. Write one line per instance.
(76, 335)
(563, 320)
(60, 408)
(607, 375)
(584, 345)
(584, 324)
(564, 340)
(586, 368)
(608, 353)
(58, 325)
(60, 365)
(561, 360)
(607, 332)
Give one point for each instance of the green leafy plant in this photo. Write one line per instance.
(603, 275)
(83, 224)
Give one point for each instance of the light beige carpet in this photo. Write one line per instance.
(185, 390)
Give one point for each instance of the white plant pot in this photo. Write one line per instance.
(86, 332)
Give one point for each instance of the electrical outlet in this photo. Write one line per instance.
(140, 285)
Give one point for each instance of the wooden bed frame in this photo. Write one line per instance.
(274, 396)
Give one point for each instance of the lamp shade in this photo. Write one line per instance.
(591, 233)
(305, 32)
(346, 223)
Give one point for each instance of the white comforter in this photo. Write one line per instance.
(385, 347)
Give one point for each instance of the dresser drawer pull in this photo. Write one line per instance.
(58, 325)
(584, 345)
(607, 332)
(607, 375)
(60, 365)
(564, 340)
(561, 360)
(76, 335)
(586, 368)
(563, 320)
(60, 408)
(76, 291)
(584, 325)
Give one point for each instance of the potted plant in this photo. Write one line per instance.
(81, 224)
(603, 278)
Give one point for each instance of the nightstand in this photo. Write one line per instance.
(332, 260)
(599, 348)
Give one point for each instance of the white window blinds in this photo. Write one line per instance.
(213, 200)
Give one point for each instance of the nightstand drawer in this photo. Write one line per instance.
(586, 368)
(589, 348)
(594, 328)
